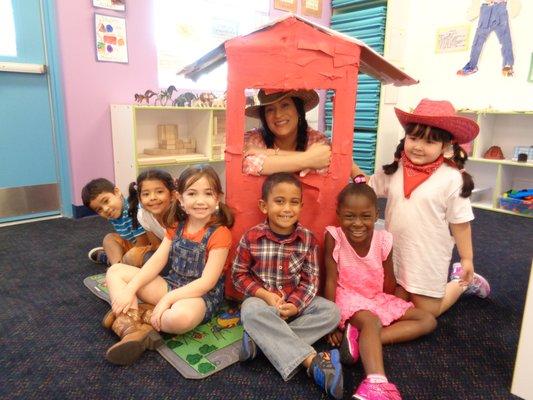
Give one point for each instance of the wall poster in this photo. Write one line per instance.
(312, 8)
(117, 5)
(452, 38)
(286, 5)
(111, 43)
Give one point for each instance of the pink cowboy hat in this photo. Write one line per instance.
(440, 114)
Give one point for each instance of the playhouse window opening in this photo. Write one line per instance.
(278, 118)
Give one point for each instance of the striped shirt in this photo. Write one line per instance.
(288, 266)
(123, 225)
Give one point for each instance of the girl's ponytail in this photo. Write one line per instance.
(133, 202)
(393, 167)
(224, 216)
(459, 158)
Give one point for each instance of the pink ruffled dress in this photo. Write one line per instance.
(360, 279)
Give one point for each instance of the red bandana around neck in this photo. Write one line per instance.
(415, 175)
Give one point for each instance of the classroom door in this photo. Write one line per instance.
(28, 164)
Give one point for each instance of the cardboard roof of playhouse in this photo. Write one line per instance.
(371, 63)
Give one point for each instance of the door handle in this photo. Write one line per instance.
(24, 68)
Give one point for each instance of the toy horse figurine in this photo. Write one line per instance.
(139, 98)
(165, 95)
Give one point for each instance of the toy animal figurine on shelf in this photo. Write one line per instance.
(220, 102)
(139, 98)
(165, 96)
(204, 100)
(184, 100)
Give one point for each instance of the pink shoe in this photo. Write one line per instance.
(479, 286)
(350, 347)
(376, 391)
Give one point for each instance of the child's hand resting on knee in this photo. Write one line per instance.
(125, 300)
(159, 309)
(287, 310)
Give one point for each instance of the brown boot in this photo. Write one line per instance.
(136, 337)
(145, 312)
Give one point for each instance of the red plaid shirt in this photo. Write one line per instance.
(288, 267)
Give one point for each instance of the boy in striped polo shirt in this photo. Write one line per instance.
(129, 244)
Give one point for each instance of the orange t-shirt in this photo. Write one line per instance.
(220, 238)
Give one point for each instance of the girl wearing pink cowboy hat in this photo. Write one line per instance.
(427, 197)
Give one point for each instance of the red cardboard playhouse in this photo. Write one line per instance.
(293, 53)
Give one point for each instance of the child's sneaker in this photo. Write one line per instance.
(98, 256)
(478, 287)
(248, 349)
(326, 370)
(456, 271)
(349, 349)
(368, 390)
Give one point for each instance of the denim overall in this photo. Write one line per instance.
(188, 260)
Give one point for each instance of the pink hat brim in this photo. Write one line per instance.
(463, 129)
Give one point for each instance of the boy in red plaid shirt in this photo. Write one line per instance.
(276, 267)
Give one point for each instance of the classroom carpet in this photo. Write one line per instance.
(197, 354)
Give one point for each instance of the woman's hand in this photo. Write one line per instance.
(158, 311)
(335, 338)
(318, 156)
(125, 300)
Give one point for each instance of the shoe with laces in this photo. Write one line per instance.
(349, 349)
(467, 70)
(98, 256)
(326, 371)
(479, 286)
(248, 349)
(368, 390)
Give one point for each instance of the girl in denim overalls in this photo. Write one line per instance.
(197, 247)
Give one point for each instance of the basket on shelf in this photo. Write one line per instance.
(521, 205)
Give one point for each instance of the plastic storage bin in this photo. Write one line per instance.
(517, 205)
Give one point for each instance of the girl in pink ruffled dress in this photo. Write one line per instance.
(360, 279)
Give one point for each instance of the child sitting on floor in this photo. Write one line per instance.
(191, 293)
(129, 244)
(276, 267)
(360, 279)
(150, 198)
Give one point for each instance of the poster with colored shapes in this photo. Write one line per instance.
(286, 5)
(117, 5)
(111, 43)
(312, 8)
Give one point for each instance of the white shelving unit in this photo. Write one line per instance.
(134, 130)
(494, 177)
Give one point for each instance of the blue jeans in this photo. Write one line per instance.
(492, 18)
(288, 344)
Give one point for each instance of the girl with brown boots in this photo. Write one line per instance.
(197, 247)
